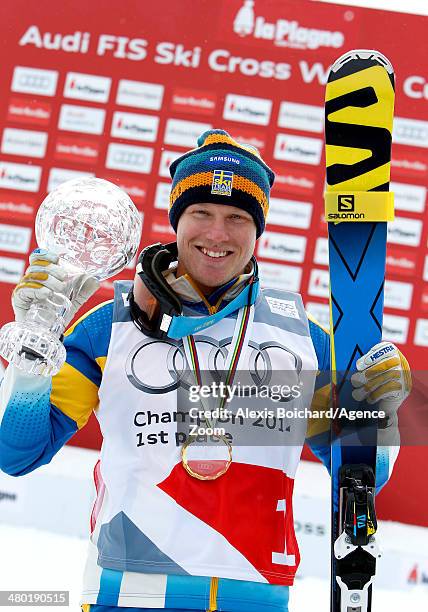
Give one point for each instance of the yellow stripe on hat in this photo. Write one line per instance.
(202, 179)
(194, 180)
(244, 184)
(222, 138)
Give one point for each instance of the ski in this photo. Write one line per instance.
(358, 131)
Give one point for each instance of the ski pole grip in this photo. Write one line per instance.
(359, 206)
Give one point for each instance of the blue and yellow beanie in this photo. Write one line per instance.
(221, 171)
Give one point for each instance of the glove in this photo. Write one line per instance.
(383, 376)
(45, 276)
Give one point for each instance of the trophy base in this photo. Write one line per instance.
(31, 349)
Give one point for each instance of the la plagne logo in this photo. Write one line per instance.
(282, 32)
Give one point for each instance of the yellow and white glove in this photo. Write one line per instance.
(383, 377)
(45, 276)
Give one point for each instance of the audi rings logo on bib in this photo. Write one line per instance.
(263, 360)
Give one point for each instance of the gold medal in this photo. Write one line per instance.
(209, 461)
(205, 467)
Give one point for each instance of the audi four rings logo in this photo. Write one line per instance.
(413, 132)
(259, 363)
(33, 80)
(8, 238)
(125, 157)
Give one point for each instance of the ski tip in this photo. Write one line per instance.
(363, 54)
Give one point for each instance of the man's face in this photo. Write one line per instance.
(215, 243)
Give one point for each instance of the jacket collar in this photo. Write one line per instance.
(191, 295)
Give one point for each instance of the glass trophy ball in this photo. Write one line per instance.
(91, 224)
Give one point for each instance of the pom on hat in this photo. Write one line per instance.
(221, 171)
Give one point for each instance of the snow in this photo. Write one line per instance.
(37, 560)
(313, 593)
(313, 481)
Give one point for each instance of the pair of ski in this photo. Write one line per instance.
(358, 131)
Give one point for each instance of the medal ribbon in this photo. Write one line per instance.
(239, 343)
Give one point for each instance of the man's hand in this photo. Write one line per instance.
(45, 276)
(383, 376)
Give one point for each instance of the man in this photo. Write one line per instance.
(172, 528)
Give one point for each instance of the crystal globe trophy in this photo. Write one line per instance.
(95, 229)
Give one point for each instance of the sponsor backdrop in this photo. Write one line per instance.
(121, 94)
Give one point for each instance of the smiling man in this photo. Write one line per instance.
(235, 178)
(175, 525)
(215, 243)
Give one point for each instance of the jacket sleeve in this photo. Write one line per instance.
(39, 415)
(318, 432)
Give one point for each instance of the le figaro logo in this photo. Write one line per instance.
(247, 109)
(282, 32)
(89, 87)
(134, 126)
(282, 247)
(22, 177)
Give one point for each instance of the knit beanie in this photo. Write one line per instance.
(221, 171)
